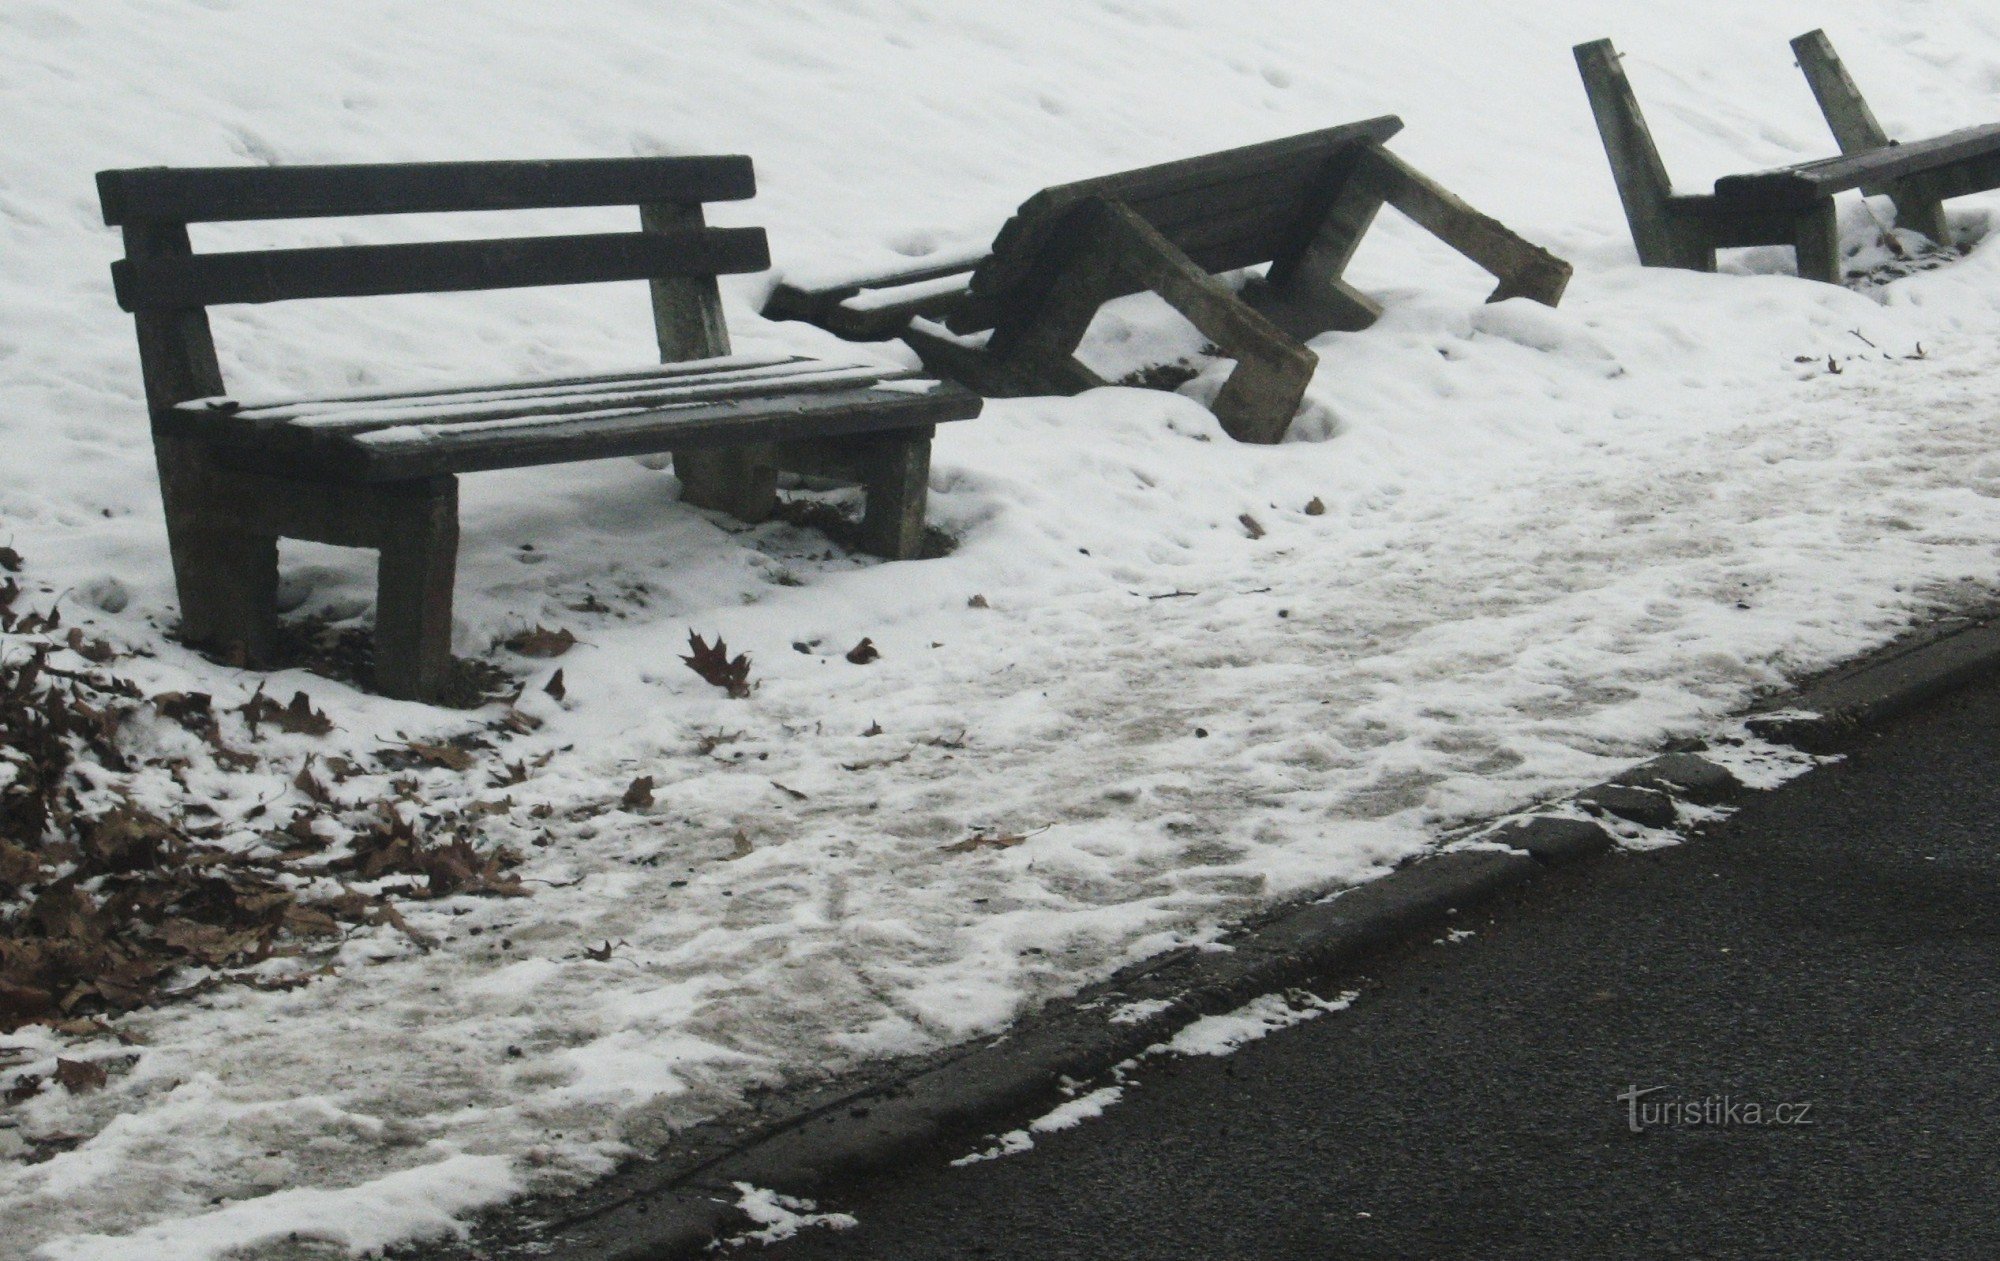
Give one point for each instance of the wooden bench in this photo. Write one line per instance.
(1792, 205)
(378, 470)
(1301, 204)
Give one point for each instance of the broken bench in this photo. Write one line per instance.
(1301, 204)
(379, 470)
(1791, 205)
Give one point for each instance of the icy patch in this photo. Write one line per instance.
(1258, 1018)
(781, 1217)
(1139, 1011)
(1760, 764)
(1064, 1116)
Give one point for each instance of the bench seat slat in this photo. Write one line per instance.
(893, 402)
(348, 271)
(355, 419)
(241, 403)
(1807, 182)
(227, 194)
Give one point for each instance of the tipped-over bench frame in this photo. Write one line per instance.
(380, 470)
(1791, 205)
(1301, 204)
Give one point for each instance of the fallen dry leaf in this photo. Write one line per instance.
(448, 756)
(555, 686)
(540, 642)
(713, 663)
(1314, 508)
(793, 793)
(299, 717)
(305, 783)
(1250, 526)
(95, 651)
(864, 652)
(639, 794)
(743, 847)
(80, 1077)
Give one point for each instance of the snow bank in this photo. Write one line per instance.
(1549, 540)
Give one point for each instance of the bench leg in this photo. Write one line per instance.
(1921, 212)
(1816, 238)
(1662, 238)
(741, 480)
(413, 603)
(895, 474)
(226, 576)
(1114, 252)
(1304, 292)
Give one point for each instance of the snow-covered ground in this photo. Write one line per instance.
(1550, 541)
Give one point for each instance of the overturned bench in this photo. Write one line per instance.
(1790, 205)
(1301, 204)
(379, 469)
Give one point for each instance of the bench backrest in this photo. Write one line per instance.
(1224, 210)
(196, 195)
(166, 285)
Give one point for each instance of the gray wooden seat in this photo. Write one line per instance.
(1301, 204)
(379, 469)
(1790, 205)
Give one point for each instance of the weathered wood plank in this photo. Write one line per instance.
(1847, 114)
(740, 479)
(1156, 189)
(1970, 175)
(433, 267)
(1856, 130)
(341, 421)
(225, 578)
(687, 310)
(1111, 251)
(223, 194)
(1662, 238)
(1729, 227)
(413, 588)
(422, 450)
(895, 482)
(1304, 292)
(1796, 187)
(877, 312)
(1524, 270)
(1816, 240)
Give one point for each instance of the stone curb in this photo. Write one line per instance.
(1824, 715)
(1001, 1080)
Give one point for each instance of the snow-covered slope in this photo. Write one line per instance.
(1550, 540)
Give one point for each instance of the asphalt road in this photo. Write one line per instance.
(1834, 945)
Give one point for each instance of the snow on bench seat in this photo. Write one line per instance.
(383, 436)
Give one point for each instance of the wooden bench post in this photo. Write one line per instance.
(1304, 292)
(1523, 270)
(1856, 131)
(687, 316)
(1663, 239)
(418, 524)
(1111, 252)
(226, 579)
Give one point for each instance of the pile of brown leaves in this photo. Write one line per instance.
(110, 909)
